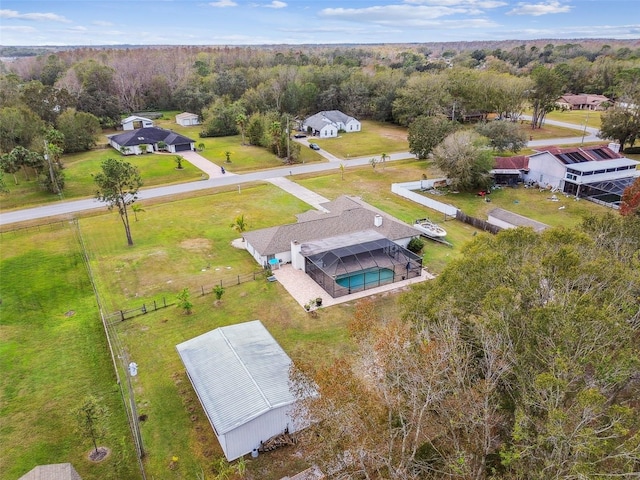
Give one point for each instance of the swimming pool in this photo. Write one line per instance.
(367, 278)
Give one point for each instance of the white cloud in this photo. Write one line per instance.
(102, 23)
(18, 29)
(390, 14)
(223, 3)
(36, 17)
(537, 9)
(453, 3)
(276, 4)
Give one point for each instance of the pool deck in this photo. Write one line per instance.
(303, 289)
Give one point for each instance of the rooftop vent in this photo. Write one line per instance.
(377, 220)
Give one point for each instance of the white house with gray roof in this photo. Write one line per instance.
(346, 216)
(351, 248)
(327, 124)
(241, 377)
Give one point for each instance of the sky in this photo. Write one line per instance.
(263, 22)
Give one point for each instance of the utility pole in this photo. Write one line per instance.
(47, 157)
(288, 135)
(584, 131)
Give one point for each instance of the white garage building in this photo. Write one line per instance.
(241, 376)
(187, 119)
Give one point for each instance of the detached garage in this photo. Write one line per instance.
(187, 119)
(241, 376)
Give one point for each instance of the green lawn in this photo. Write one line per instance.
(244, 158)
(578, 117)
(374, 139)
(155, 169)
(52, 353)
(188, 244)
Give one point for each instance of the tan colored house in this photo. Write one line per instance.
(584, 101)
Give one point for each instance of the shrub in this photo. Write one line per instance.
(415, 245)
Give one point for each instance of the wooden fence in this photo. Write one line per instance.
(477, 223)
(154, 305)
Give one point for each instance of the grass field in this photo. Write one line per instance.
(374, 139)
(577, 117)
(154, 169)
(52, 353)
(187, 244)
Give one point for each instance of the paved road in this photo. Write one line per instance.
(217, 179)
(590, 134)
(220, 180)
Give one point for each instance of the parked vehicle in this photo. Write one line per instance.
(300, 135)
(314, 146)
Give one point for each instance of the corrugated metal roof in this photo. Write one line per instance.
(239, 372)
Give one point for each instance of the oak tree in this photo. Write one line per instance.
(118, 184)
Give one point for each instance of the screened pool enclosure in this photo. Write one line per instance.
(349, 264)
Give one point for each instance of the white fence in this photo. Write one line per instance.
(407, 190)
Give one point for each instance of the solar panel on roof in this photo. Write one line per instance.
(565, 158)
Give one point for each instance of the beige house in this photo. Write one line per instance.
(584, 101)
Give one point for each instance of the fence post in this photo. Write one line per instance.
(144, 308)
(164, 300)
(220, 282)
(155, 307)
(121, 316)
(238, 279)
(202, 288)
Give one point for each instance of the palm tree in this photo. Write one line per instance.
(135, 207)
(240, 224)
(383, 159)
(275, 130)
(241, 122)
(179, 159)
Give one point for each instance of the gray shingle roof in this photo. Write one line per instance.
(57, 471)
(149, 135)
(347, 215)
(239, 372)
(331, 117)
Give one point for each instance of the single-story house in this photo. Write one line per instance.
(128, 143)
(187, 119)
(241, 377)
(134, 122)
(506, 219)
(56, 471)
(350, 247)
(584, 101)
(328, 123)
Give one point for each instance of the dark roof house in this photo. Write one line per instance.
(128, 142)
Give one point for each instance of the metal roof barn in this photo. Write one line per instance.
(241, 376)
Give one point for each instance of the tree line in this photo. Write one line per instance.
(256, 91)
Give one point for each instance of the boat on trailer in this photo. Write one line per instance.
(430, 229)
